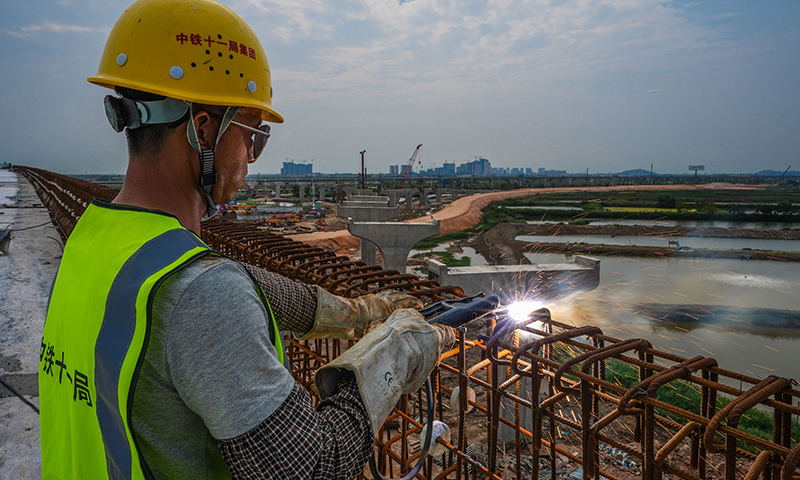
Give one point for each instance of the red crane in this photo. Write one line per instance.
(409, 165)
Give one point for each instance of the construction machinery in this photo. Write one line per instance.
(283, 220)
(409, 166)
(241, 209)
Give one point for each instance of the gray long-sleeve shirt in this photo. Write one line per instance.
(213, 401)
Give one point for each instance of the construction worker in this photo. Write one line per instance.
(162, 359)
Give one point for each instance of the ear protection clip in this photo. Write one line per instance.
(126, 113)
(121, 113)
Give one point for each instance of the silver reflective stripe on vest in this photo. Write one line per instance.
(116, 333)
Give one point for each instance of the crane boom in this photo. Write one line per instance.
(784, 174)
(409, 165)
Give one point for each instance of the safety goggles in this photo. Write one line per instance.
(259, 138)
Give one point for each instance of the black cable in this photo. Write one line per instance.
(373, 465)
(28, 228)
(15, 392)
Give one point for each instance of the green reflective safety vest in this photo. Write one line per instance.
(96, 335)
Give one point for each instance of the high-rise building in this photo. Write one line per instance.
(297, 169)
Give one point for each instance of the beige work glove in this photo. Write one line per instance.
(393, 359)
(350, 318)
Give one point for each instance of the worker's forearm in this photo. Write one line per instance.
(293, 304)
(332, 442)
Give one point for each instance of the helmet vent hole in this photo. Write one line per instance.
(230, 56)
(219, 36)
(194, 64)
(241, 75)
(211, 68)
(227, 72)
(219, 54)
(208, 52)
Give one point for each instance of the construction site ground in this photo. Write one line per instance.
(26, 275)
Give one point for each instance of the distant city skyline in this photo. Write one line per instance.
(483, 167)
(608, 85)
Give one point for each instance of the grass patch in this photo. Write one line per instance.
(435, 241)
(686, 396)
(448, 258)
(641, 209)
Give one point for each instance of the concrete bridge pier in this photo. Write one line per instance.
(409, 194)
(302, 194)
(394, 196)
(394, 240)
(278, 189)
(369, 254)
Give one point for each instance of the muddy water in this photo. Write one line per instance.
(732, 300)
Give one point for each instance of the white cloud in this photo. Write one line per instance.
(50, 27)
(290, 19)
(504, 44)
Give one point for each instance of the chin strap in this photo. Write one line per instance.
(208, 175)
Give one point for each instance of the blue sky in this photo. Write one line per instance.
(607, 85)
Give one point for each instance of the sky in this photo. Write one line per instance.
(603, 85)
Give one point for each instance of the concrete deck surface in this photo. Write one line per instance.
(26, 275)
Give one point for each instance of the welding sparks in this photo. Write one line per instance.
(520, 310)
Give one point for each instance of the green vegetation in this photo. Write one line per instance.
(748, 198)
(686, 396)
(491, 217)
(773, 204)
(700, 211)
(435, 241)
(447, 258)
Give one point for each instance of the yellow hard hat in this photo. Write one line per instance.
(199, 51)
